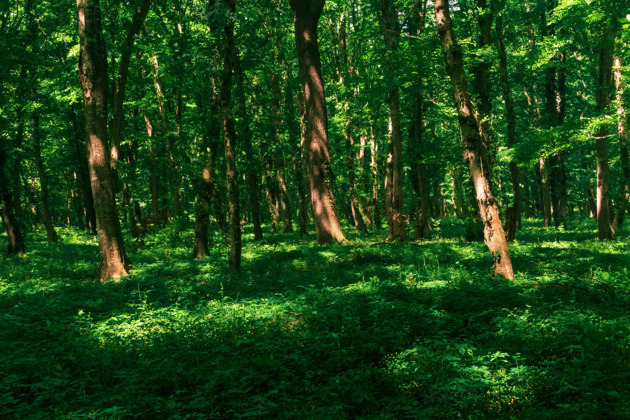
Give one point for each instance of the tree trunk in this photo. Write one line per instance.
(604, 84)
(246, 139)
(93, 78)
(83, 172)
(474, 154)
(513, 212)
(229, 139)
(545, 190)
(47, 219)
(13, 227)
(300, 162)
(481, 72)
(306, 14)
(624, 187)
(376, 214)
(120, 83)
(394, 171)
(174, 178)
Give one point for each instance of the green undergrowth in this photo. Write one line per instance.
(363, 330)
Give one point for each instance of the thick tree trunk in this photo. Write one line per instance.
(306, 14)
(229, 139)
(474, 154)
(604, 85)
(93, 78)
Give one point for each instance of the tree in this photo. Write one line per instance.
(475, 152)
(93, 80)
(306, 14)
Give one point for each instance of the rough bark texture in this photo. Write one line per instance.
(394, 171)
(513, 212)
(229, 140)
(93, 79)
(306, 14)
(474, 154)
(604, 90)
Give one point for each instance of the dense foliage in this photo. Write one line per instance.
(367, 330)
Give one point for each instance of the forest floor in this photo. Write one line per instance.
(365, 330)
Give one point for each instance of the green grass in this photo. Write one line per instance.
(367, 330)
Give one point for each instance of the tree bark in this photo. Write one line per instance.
(120, 83)
(229, 139)
(306, 14)
(246, 140)
(47, 219)
(394, 171)
(14, 228)
(474, 154)
(481, 72)
(93, 79)
(513, 212)
(624, 187)
(604, 93)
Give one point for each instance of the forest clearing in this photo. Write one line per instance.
(314, 208)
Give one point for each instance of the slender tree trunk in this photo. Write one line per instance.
(474, 154)
(13, 227)
(545, 190)
(376, 214)
(246, 139)
(174, 178)
(120, 83)
(513, 212)
(93, 78)
(624, 187)
(604, 85)
(300, 162)
(229, 139)
(481, 72)
(80, 156)
(394, 171)
(47, 219)
(306, 14)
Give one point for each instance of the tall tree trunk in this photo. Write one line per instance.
(513, 212)
(120, 83)
(474, 154)
(376, 214)
(306, 14)
(624, 187)
(300, 162)
(83, 171)
(47, 219)
(229, 139)
(174, 178)
(481, 71)
(394, 170)
(246, 139)
(604, 85)
(545, 190)
(93, 78)
(13, 227)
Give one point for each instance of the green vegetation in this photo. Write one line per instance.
(367, 330)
